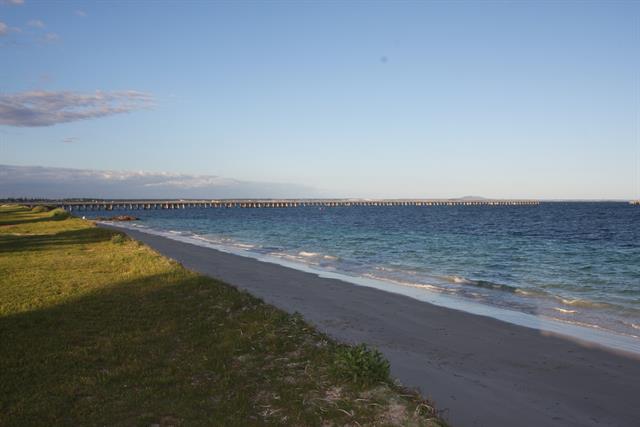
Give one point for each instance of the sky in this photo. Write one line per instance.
(333, 99)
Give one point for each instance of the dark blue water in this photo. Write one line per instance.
(575, 262)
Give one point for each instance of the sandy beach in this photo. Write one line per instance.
(483, 371)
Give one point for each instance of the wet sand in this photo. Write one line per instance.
(483, 371)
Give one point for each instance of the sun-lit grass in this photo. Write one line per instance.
(97, 329)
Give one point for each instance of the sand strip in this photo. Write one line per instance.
(485, 372)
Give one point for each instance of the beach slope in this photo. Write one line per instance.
(484, 371)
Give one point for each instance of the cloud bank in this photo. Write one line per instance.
(43, 108)
(47, 182)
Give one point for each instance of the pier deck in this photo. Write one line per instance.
(268, 203)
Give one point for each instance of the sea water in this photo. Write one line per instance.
(572, 263)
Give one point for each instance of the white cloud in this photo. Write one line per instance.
(5, 29)
(70, 140)
(12, 2)
(47, 182)
(80, 13)
(36, 23)
(42, 108)
(51, 38)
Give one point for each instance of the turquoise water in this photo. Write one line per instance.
(577, 263)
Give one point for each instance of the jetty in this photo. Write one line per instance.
(110, 205)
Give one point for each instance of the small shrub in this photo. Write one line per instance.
(118, 239)
(362, 365)
(39, 209)
(60, 214)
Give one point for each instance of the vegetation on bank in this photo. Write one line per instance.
(98, 329)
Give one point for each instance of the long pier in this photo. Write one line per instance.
(270, 203)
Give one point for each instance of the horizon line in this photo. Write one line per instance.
(344, 199)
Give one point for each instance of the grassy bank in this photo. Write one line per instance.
(97, 329)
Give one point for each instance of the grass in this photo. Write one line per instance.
(98, 329)
(361, 364)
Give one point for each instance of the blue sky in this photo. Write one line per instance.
(402, 99)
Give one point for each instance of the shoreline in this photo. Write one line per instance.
(589, 333)
(129, 336)
(484, 371)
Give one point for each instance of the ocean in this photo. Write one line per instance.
(568, 264)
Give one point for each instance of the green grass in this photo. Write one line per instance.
(361, 364)
(98, 329)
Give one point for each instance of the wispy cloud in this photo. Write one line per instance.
(70, 140)
(80, 13)
(51, 38)
(33, 34)
(43, 108)
(6, 29)
(12, 2)
(36, 23)
(37, 181)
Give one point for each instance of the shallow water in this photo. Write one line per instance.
(578, 263)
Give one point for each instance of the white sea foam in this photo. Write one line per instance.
(379, 267)
(307, 254)
(632, 325)
(564, 310)
(577, 302)
(462, 280)
(409, 284)
(244, 245)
